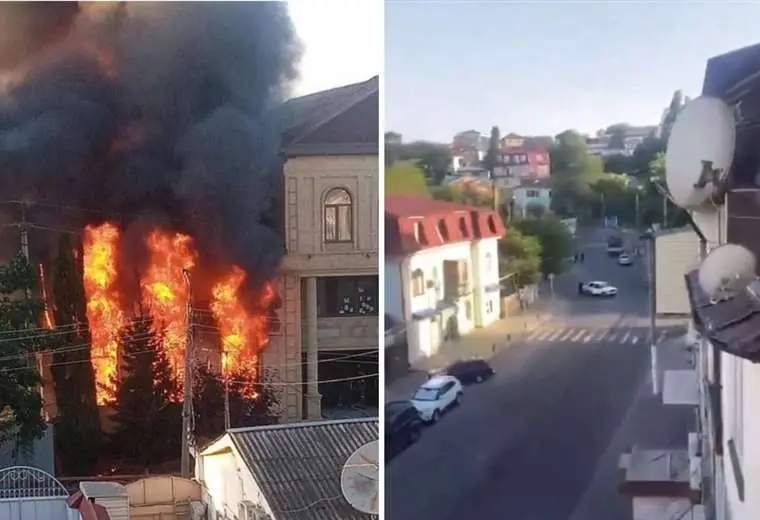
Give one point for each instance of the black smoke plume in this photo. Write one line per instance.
(162, 110)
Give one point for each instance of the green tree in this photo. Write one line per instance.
(252, 402)
(492, 154)
(147, 420)
(520, 254)
(554, 237)
(434, 159)
(677, 102)
(617, 133)
(405, 178)
(77, 431)
(574, 170)
(20, 402)
(463, 194)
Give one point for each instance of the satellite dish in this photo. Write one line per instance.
(726, 270)
(700, 151)
(359, 479)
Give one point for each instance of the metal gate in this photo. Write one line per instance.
(31, 494)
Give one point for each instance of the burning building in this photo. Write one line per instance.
(328, 338)
(153, 131)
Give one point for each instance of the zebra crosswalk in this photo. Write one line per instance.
(612, 335)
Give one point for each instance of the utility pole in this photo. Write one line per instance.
(664, 212)
(187, 403)
(653, 317)
(227, 421)
(636, 198)
(24, 230)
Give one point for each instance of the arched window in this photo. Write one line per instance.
(443, 230)
(463, 227)
(338, 216)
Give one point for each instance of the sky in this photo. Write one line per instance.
(538, 68)
(343, 41)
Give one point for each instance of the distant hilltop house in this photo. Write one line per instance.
(532, 194)
(468, 149)
(604, 145)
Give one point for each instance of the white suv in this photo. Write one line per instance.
(436, 395)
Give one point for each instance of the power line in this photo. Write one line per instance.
(86, 210)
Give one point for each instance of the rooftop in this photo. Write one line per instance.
(415, 223)
(298, 465)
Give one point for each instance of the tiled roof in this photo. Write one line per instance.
(438, 223)
(298, 466)
(733, 324)
(305, 115)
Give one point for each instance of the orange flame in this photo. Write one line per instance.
(47, 315)
(243, 335)
(104, 310)
(165, 292)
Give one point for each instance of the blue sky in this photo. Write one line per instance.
(540, 68)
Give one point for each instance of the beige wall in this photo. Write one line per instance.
(307, 180)
(349, 332)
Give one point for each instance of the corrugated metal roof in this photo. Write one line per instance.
(298, 466)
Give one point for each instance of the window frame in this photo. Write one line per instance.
(418, 282)
(335, 209)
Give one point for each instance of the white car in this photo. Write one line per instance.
(436, 395)
(598, 289)
(625, 259)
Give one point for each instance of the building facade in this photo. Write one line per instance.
(441, 269)
(531, 195)
(329, 276)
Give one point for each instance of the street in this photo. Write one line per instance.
(534, 442)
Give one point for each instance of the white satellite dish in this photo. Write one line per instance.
(359, 479)
(726, 270)
(700, 151)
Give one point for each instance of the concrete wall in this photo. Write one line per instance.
(676, 253)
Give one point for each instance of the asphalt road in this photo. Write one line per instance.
(528, 443)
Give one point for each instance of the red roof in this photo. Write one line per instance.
(414, 223)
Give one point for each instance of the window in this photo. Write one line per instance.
(347, 296)
(533, 194)
(492, 224)
(489, 307)
(443, 230)
(338, 221)
(488, 263)
(468, 309)
(419, 234)
(418, 282)
(463, 227)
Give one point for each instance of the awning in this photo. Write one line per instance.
(733, 325)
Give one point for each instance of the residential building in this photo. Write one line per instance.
(329, 275)
(394, 138)
(524, 157)
(468, 149)
(724, 385)
(441, 269)
(533, 194)
(288, 471)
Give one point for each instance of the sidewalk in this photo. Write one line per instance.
(484, 342)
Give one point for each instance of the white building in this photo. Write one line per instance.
(280, 472)
(532, 192)
(441, 269)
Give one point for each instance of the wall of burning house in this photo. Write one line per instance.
(295, 352)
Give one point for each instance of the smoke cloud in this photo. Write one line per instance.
(166, 109)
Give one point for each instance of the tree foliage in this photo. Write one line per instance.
(252, 402)
(405, 178)
(520, 254)
(147, 420)
(554, 238)
(463, 194)
(77, 431)
(434, 159)
(20, 402)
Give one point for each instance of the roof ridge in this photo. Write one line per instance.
(302, 424)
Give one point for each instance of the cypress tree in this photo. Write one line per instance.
(77, 425)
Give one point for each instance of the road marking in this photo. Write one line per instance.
(611, 337)
(588, 338)
(625, 337)
(568, 335)
(557, 334)
(578, 336)
(635, 340)
(533, 335)
(543, 335)
(603, 335)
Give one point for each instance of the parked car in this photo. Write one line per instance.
(436, 395)
(403, 427)
(467, 371)
(625, 259)
(598, 288)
